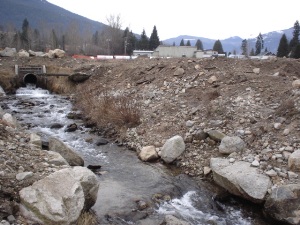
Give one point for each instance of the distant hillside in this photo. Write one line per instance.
(271, 41)
(42, 13)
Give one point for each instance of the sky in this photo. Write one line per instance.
(214, 19)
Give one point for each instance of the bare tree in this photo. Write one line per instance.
(112, 35)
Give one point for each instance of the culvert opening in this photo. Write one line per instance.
(30, 79)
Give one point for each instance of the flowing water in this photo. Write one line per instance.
(124, 179)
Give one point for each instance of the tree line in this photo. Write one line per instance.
(285, 48)
(111, 40)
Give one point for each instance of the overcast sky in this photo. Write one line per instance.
(215, 19)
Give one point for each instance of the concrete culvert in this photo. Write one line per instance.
(30, 78)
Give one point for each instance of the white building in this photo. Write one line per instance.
(142, 53)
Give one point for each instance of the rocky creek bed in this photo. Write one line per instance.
(238, 119)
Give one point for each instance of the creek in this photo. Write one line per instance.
(126, 183)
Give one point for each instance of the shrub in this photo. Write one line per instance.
(87, 218)
(120, 111)
(105, 109)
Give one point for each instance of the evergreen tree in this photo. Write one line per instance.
(259, 45)
(188, 43)
(95, 38)
(283, 47)
(143, 43)
(181, 42)
(199, 45)
(295, 40)
(297, 52)
(252, 53)
(244, 47)
(129, 41)
(25, 42)
(218, 47)
(154, 39)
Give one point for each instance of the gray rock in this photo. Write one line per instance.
(199, 135)
(296, 84)
(101, 141)
(240, 179)
(172, 220)
(79, 77)
(216, 135)
(179, 72)
(294, 161)
(148, 153)
(23, 53)
(89, 183)
(8, 52)
(172, 149)
(283, 204)
(4, 222)
(231, 144)
(67, 152)
(10, 120)
(2, 92)
(56, 159)
(58, 53)
(56, 199)
(36, 140)
(256, 70)
(24, 175)
(271, 173)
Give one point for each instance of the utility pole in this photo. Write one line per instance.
(125, 46)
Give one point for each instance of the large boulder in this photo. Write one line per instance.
(283, 204)
(89, 183)
(8, 52)
(172, 149)
(79, 77)
(59, 53)
(240, 179)
(23, 53)
(66, 151)
(60, 197)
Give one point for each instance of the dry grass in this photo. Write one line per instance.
(118, 110)
(87, 218)
(105, 109)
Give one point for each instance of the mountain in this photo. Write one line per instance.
(42, 13)
(271, 41)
